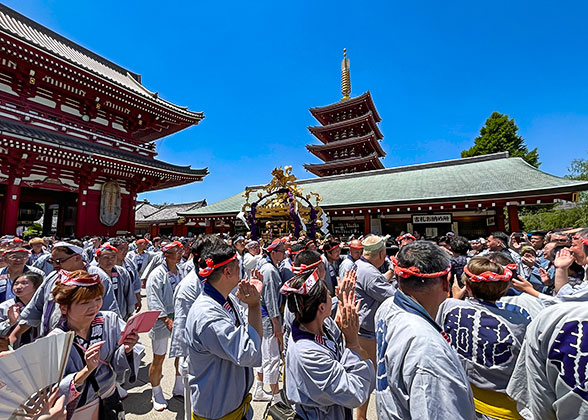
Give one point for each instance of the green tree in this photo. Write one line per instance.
(499, 134)
(578, 170)
(550, 217)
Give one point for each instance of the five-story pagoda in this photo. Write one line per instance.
(349, 133)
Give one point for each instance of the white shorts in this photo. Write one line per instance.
(270, 360)
(160, 345)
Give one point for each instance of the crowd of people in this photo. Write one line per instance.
(450, 328)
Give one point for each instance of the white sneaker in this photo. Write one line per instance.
(178, 390)
(122, 393)
(261, 395)
(276, 398)
(159, 402)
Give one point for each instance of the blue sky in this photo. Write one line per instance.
(436, 71)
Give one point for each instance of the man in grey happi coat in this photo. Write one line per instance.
(419, 375)
(372, 287)
(41, 311)
(223, 346)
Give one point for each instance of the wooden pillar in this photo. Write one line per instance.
(367, 224)
(11, 204)
(513, 218)
(209, 226)
(81, 214)
(500, 226)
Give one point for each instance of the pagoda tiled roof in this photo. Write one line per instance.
(41, 37)
(488, 177)
(319, 149)
(318, 168)
(320, 132)
(170, 212)
(320, 112)
(58, 140)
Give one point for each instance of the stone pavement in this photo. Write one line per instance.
(138, 404)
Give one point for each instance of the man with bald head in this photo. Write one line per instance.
(373, 288)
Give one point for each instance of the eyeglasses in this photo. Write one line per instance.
(59, 261)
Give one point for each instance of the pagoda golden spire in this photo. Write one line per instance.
(345, 78)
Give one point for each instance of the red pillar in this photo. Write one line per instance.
(209, 226)
(367, 224)
(513, 218)
(11, 204)
(81, 214)
(500, 226)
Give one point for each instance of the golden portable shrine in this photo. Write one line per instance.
(281, 208)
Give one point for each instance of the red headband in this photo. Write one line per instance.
(406, 236)
(303, 267)
(171, 245)
(488, 275)
(142, 241)
(211, 266)
(294, 252)
(304, 289)
(12, 251)
(414, 271)
(105, 247)
(66, 280)
(583, 240)
(308, 243)
(273, 245)
(356, 247)
(336, 246)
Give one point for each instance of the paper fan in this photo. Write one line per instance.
(28, 374)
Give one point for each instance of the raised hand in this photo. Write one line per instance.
(248, 292)
(348, 318)
(13, 314)
(92, 356)
(347, 284)
(545, 277)
(523, 285)
(564, 258)
(130, 342)
(53, 408)
(256, 280)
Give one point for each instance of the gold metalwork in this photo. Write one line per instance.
(345, 77)
(32, 80)
(275, 209)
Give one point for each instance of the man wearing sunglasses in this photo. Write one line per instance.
(16, 264)
(42, 311)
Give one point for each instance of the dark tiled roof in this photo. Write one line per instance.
(32, 33)
(341, 105)
(82, 146)
(144, 208)
(347, 142)
(479, 178)
(170, 212)
(347, 162)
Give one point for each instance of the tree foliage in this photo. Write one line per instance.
(499, 134)
(33, 230)
(551, 217)
(556, 218)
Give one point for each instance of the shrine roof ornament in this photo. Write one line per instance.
(284, 207)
